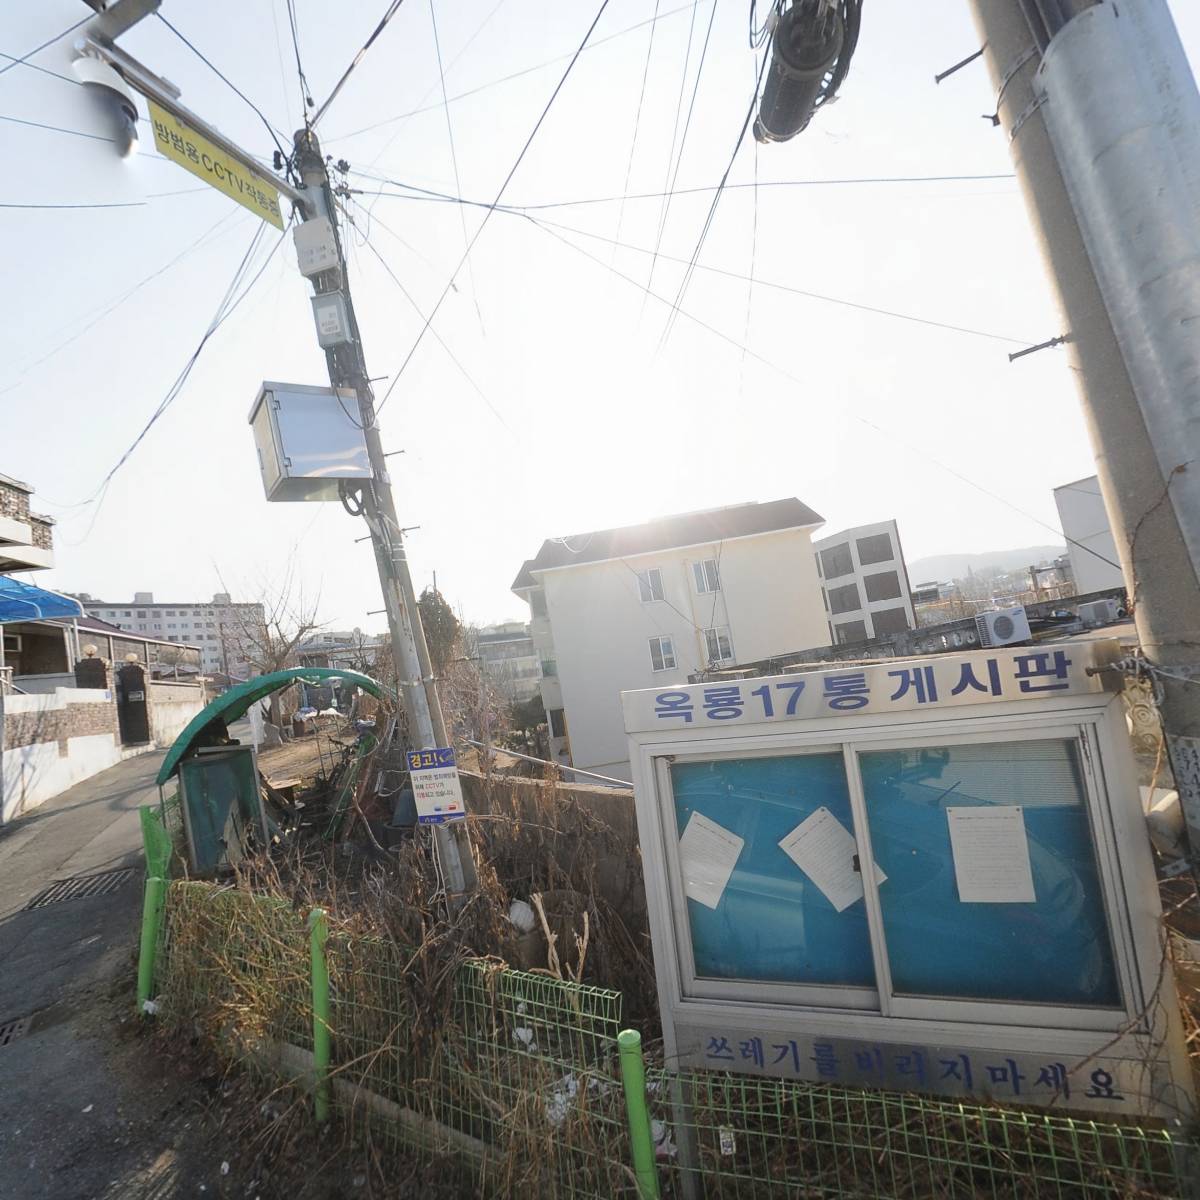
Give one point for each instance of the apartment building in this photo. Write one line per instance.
(225, 631)
(649, 605)
(865, 583)
(509, 659)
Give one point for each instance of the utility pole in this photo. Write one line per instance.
(1103, 119)
(414, 673)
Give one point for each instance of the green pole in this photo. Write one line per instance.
(633, 1078)
(152, 909)
(318, 926)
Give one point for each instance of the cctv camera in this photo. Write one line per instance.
(111, 97)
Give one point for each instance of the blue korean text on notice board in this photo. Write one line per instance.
(427, 760)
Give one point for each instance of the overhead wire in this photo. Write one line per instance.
(703, 189)
(712, 208)
(23, 60)
(417, 309)
(662, 213)
(637, 119)
(462, 212)
(78, 331)
(492, 208)
(114, 204)
(389, 13)
(274, 133)
(415, 112)
(225, 309)
(891, 435)
(528, 210)
(306, 99)
(687, 125)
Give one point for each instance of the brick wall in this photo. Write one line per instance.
(59, 724)
(43, 531)
(14, 503)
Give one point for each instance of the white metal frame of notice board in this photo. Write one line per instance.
(1058, 706)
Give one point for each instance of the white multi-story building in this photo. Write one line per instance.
(648, 605)
(509, 659)
(865, 583)
(1090, 542)
(226, 632)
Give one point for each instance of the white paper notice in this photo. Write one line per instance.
(991, 855)
(824, 849)
(707, 855)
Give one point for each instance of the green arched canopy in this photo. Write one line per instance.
(237, 701)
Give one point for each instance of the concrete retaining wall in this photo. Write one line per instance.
(50, 742)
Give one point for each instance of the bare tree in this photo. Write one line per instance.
(266, 633)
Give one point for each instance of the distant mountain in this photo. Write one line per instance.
(944, 567)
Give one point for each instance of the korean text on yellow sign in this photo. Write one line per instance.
(197, 154)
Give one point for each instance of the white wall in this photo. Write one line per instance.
(1083, 518)
(770, 598)
(172, 706)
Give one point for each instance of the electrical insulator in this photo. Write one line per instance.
(807, 42)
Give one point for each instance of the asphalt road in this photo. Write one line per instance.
(85, 1111)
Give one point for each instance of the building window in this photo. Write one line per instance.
(170, 624)
(127, 613)
(549, 668)
(889, 620)
(169, 613)
(875, 549)
(141, 613)
(718, 645)
(837, 561)
(706, 575)
(650, 585)
(851, 631)
(662, 654)
(844, 599)
(558, 722)
(208, 624)
(882, 586)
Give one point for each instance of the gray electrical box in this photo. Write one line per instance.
(308, 440)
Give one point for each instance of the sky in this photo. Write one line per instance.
(552, 393)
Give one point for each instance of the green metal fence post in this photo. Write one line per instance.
(633, 1078)
(318, 926)
(152, 909)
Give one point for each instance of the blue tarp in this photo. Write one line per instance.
(24, 602)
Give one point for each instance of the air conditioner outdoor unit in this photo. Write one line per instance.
(1098, 612)
(1003, 627)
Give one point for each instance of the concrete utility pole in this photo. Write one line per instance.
(414, 673)
(1103, 118)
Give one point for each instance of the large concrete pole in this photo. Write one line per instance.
(1159, 572)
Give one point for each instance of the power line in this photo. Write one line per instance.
(305, 92)
(22, 61)
(462, 212)
(637, 120)
(225, 79)
(889, 434)
(666, 212)
(712, 208)
(527, 211)
(516, 74)
(688, 191)
(417, 308)
(662, 212)
(224, 310)
(492, 208)
(122, 204)
(375, 33)
(79, 331)
(96, 137)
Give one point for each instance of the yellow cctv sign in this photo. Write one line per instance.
(197, 154)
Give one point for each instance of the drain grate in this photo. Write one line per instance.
(81, 887)
(11, 1030)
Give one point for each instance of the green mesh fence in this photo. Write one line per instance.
(515, 1076)
(742, 1136)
